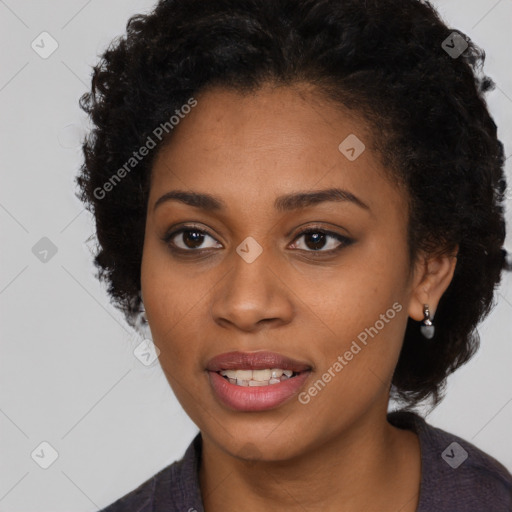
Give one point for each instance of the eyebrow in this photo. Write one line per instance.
(283, 203)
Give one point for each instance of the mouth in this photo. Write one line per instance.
(256, 381)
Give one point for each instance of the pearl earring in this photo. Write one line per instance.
(427, 329)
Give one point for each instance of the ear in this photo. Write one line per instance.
(432, 276)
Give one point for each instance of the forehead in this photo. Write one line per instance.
(274, 118)
(275, 141)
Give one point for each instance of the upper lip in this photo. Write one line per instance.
(254, 361)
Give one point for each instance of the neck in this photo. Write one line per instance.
(365, 467)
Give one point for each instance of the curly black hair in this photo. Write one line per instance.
(418, 83)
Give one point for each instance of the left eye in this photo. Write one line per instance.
(316, 239)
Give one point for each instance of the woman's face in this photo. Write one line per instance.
(242, 277)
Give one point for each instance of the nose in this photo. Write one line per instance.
(253, 295)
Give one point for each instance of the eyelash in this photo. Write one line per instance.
(344, 241)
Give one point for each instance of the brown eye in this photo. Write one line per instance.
(190, 239)
(317, 239)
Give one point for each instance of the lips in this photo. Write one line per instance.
(250, 398)
(255, 361)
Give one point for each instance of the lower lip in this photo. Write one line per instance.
(255, 398)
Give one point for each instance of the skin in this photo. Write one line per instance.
(301, 302)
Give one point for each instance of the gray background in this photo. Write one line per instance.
(68, 375)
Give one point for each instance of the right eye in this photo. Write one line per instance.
(188, 239)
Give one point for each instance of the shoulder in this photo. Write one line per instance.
(456, 475)
(175, 487)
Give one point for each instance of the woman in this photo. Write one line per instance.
(304, 200)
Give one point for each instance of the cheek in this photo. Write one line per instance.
(170, 301)
(165, 296)
(364, 307)
(353, 296)
(176, 299)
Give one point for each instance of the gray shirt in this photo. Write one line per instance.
(456, 476)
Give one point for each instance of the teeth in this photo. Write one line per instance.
(257, 383)
(256, 377)
(261, 375)
(244, 374)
